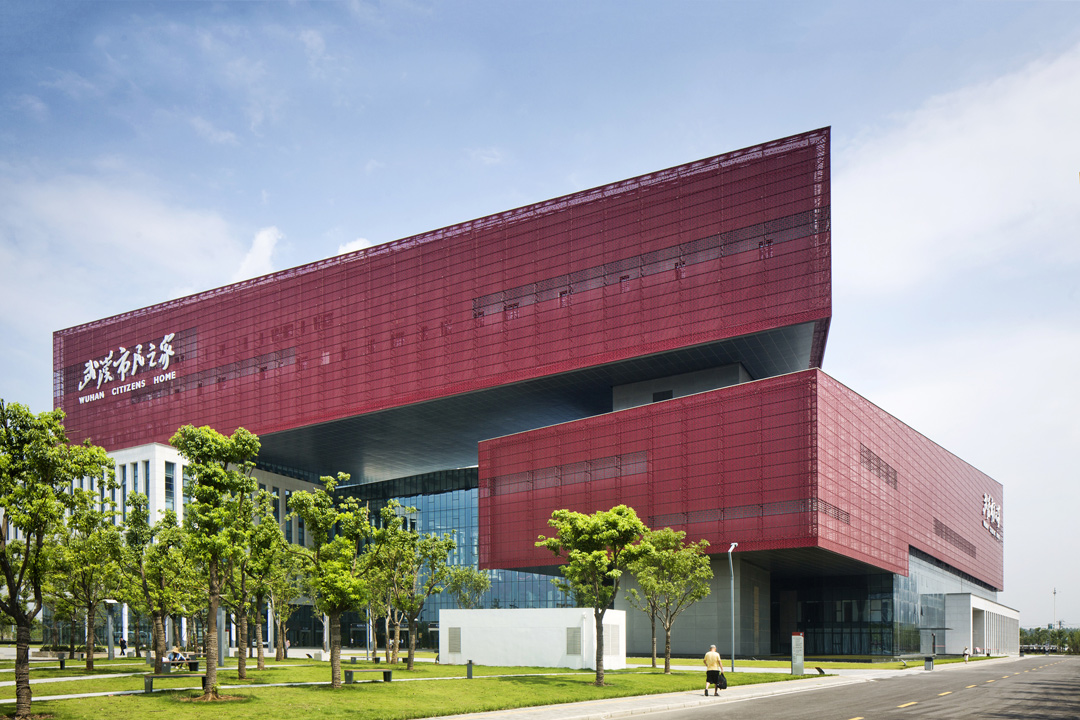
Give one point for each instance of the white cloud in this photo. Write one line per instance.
(314, 45)
(372, 166)
(75, 248)
(73, 85)
(487, 156)
(973, 177)
(207, 131)
(33, 106)
(357, 244)
(260, 258)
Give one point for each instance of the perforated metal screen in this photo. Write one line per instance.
(720, 248)
(773, 464)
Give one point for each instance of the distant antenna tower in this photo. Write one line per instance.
(1055, 608)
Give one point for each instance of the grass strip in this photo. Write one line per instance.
(387, 701)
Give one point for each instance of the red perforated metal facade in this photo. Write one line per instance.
(720, 248)
(792, 461)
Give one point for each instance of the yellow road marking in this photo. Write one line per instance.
(858, 718)
(944, 693)
(989, 681)
(907, 704)
(971, 686)
(1004, 677)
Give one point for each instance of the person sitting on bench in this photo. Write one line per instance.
(175, 655)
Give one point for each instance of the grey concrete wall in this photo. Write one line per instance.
(708, 621)
(641, 393)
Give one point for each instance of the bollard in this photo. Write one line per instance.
(928, 662)
(352, 659)
(468, 670)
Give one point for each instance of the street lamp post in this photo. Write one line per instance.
(731, 569)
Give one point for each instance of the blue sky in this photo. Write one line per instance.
(149, 150)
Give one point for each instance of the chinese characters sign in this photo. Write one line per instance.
(991, 515)
(124, 364)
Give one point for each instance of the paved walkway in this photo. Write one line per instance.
(621, 707)
(642, 704)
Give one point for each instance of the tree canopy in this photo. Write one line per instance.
(220, 487)
(671, 575)
(597, 549)
(37, 468)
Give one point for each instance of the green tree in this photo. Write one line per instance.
(467, 586)
(336, 571)
(37, 467)
(425, 574)
(269, 557)
(87, 568)
(252, 530)
(287, 585)
(597, 549)
(220, 484)
(161, 577)
(671, 576)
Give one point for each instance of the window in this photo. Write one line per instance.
(123, 491)
(611, 640)
(187, 485)
(511, 310)
(134, 477)
(288, 521)
(624, 283)
(300, 531)
(564, 299)
(662, 395)
(170, 476)
(573, 641)
(146, 476)
(454, 640)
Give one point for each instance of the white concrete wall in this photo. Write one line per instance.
(975, 622)
(531, 637)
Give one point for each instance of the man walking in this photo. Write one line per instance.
(713, 669)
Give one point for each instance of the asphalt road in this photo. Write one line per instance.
(1031, 688)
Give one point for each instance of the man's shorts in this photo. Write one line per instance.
(712, 677)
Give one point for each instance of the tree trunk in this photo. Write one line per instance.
(212, 630)
(91, 639)
(259, 636)
(283, 639)
(161, 641)
(397, 641)
(242, 646)
(412, 643)
(599, 617)
(22, 668)
(386, 627)
(335, 650)
(652, 622)
(279, 642)
(71, 640)
(667, 649)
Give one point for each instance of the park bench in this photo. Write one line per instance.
(387, 675)
(148, 680)
(167, 665)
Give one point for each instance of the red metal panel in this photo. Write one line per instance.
(718, 248)
(901, 490)
(731, 464)
(792, 461)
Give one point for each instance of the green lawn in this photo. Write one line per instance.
(374, 700)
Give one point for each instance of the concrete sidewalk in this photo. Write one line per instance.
(642, 704)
